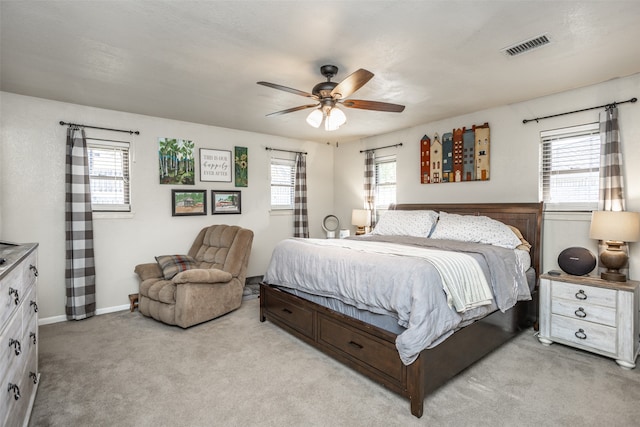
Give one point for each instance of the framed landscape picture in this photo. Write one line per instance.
(188, 202)
(225, 202)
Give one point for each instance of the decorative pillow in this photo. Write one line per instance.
(174, 264)
(524, 245)
(406, 223)
(475, 229)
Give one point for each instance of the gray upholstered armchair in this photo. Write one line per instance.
(208, 282)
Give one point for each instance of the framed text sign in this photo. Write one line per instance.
(215, 165)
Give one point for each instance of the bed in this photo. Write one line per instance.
(371, 350)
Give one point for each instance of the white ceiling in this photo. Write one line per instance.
(200, 61)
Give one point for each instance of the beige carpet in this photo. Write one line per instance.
(123, 369)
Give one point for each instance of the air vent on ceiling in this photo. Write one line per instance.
(527, 46)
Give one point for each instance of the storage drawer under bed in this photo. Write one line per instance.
(296, 317)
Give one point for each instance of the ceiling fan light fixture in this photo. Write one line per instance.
(335, 118)
(315, 118)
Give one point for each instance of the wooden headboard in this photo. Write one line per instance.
(527, 217)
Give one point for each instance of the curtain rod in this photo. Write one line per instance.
(380, 148)
(286, 151)
(137, 132)
(614, 103)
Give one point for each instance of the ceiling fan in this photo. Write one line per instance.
(329, 94)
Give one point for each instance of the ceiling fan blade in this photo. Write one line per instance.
(288, 89)
(351, 83)
(373, 105)
(291, 110)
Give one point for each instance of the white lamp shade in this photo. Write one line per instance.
(315, 118)
(615, 226)
(361, 217)
(335, 119)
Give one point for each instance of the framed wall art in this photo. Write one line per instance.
(188, 202)
(215, 165)
(242, 166)
(176, 161)
(226, 202)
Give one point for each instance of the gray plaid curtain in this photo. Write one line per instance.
(300, 219)
(611, 173)
(80, 276)
(370, 184)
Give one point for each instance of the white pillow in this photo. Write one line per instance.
(475, 229)
(406, 223)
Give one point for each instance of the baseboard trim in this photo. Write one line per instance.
(63, 318)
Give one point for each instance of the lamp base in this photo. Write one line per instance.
(613, 276)
(360, 231)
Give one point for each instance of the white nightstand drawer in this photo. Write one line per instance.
(583, 293)
(582, 311)
(591, 335)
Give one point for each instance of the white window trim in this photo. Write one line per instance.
(566, 132)
(385, 159)
(282, 209)
(108, 211)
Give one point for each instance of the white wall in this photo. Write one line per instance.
(32, 194)
(514, 161)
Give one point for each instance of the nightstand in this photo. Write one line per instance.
(591, 314)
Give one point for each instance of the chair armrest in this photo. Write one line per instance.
(202, 275)
(148, 271)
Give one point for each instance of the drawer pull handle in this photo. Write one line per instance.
(16, 346)
(286, 310)
(32, 335)
(581, 295)
(34, 305)
(580, 313)
(16, 390)
(34, 377)
(581, 335)
(355, 345)
(34, 269)
(16, 298)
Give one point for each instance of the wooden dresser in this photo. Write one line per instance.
(591, 314)
(18, 333)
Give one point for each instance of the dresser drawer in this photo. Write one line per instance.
(10, 343)
(591, 335)
(586, 294)
(296, 317)
(581, 310)
(378, 354)
(11, 295)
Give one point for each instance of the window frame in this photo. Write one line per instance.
(292, 185)
(95, 144)
(588, 153)
(377, 162)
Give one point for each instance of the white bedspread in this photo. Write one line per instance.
(409, 288)
(463, 280)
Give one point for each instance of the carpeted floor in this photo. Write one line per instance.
(123, 369)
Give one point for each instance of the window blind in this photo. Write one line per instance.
(385, 181)
(109, 175)
(282, 183)
(570, 162)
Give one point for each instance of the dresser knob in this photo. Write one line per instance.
(581, 295)
(34, 377)
(580, 312)
(581, 335)
(34, 305)
(32, 335)
(16, 346)
(14, 292)
(34, 269)
(16, 390)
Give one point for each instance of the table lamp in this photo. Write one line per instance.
(361, 218)
(614, 228)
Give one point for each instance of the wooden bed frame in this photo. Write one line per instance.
(371, 350)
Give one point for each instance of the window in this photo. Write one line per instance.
(109, 175)
(385, 181)
(570, 162)
(283, 178)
